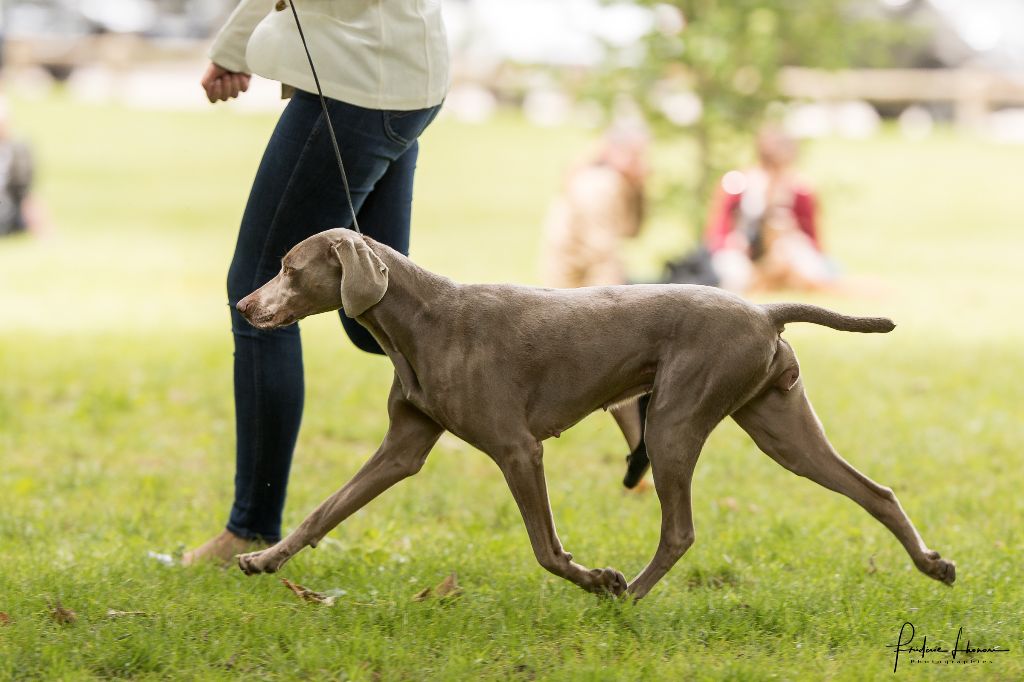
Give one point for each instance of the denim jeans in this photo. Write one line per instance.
(298, 192)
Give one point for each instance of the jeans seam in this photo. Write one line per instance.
(390, 132)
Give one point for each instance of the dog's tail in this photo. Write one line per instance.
(783, 313)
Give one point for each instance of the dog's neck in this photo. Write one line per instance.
(411, 289)
(412, 293)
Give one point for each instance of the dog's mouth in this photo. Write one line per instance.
(270, 320)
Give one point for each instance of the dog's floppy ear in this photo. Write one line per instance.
(364, 277)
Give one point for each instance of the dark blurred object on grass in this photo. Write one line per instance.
(19, 210)
(693, 268)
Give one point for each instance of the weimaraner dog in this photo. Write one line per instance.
(504, 367)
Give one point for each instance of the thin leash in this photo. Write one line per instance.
(327, 117)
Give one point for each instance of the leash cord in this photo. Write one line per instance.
(327, 116)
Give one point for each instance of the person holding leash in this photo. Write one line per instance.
(383, 68)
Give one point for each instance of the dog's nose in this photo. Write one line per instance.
(242, 306)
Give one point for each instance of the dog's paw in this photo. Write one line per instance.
(264, 561)
(607, 581)
(940, 569)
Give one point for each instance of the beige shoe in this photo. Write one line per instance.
(221, 549)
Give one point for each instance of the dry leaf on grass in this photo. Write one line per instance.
(449, 587)
(114, 613)
(62, 615)
(308, 595)
(4, 618)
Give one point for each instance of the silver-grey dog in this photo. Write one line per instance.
(504, 367)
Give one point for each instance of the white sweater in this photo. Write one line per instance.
(378, 54)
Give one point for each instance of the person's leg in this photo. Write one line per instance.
(628, 418)
(803, 266)
(734, 270)
(637, 461)
(268, 381)
(297, 192)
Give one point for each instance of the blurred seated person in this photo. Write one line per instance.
(600, 205)
(762, 230)
(19, 212)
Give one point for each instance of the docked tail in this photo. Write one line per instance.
(783, 313)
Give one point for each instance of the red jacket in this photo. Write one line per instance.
(722, 217)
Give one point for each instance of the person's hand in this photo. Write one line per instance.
(221, 85)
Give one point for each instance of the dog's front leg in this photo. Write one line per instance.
(524, 471)
(409, 439)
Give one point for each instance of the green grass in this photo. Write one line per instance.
(116, 435)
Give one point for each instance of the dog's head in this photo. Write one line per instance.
(330, 270)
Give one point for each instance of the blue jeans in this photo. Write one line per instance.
(298, 192)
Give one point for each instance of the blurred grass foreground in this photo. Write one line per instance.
(116, 436)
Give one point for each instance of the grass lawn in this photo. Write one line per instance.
(116, 436)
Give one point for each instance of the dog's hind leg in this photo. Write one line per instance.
(409, 439)
(674, 441)
(523, 469)
(783, 424)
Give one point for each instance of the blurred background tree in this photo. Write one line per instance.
(709, 70)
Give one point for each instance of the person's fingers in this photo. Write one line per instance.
(217, 91)
(207, 84)
(221, 85)
(237, 84)
(212, 73)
